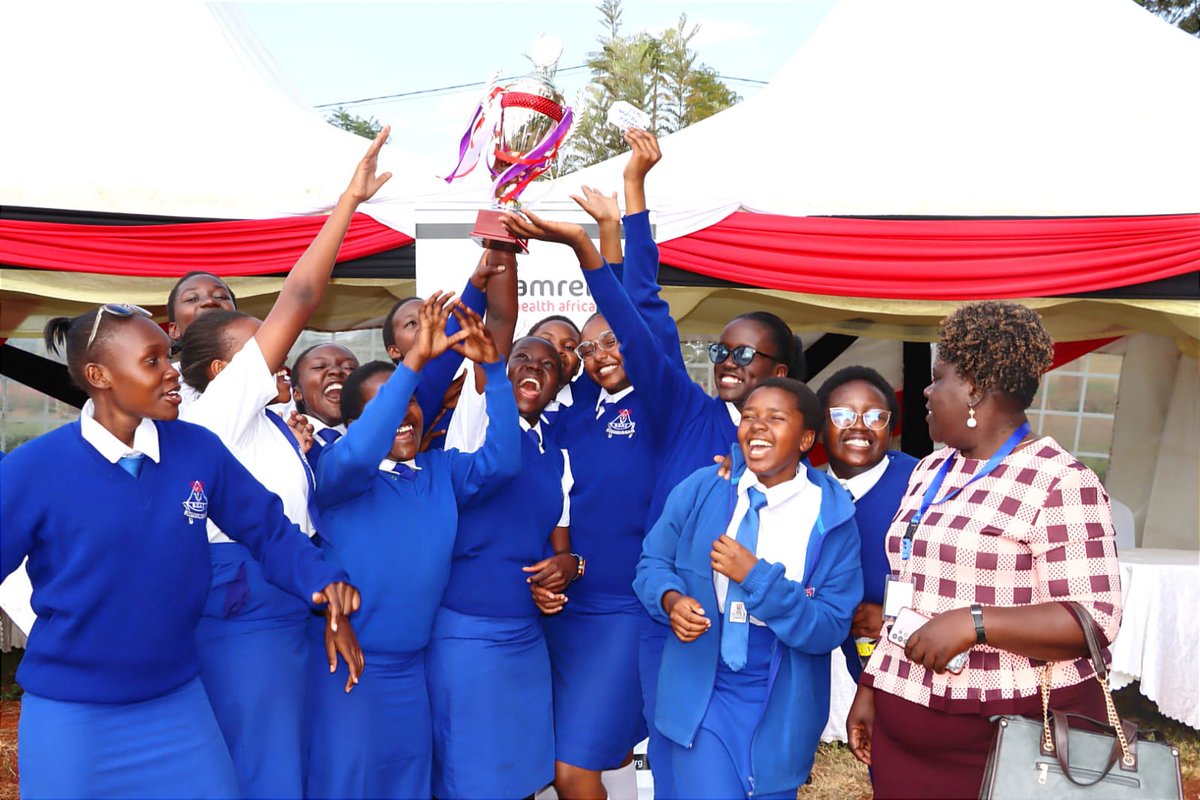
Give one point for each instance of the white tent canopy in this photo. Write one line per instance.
(170, 109)
(1032, 108)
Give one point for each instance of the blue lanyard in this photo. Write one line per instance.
(1010, 444)
(278, 422)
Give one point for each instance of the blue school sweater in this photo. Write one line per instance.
(873, 512)
(120, 565)
(690, 427)
(810, 619)
(437, 375)
(396, 535)
(507, 529)
(612, 462)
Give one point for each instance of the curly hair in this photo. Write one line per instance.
(1000, 344)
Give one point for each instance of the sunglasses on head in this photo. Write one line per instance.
(606, 341)
(874, 418)
(743, 354)
(120, 310)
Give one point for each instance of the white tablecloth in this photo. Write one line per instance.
(1157, 644)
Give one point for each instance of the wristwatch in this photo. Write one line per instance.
(582, 566)
(977, 618)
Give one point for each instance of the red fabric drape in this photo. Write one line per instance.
(240, 247)
(929, 259)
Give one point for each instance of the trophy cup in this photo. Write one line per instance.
(516, 131)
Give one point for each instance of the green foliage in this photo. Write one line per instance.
(1183, 13)
(658, 74)
(366, 128)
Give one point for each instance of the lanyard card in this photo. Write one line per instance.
(897, 594)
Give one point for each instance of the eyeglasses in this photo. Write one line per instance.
(874, 418)
(743, 354)
(121, 310)
(606, 341)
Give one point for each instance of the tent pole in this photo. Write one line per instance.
(917, 363)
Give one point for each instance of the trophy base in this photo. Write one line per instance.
(494, 236)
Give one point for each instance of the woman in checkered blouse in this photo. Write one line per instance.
(991, 565)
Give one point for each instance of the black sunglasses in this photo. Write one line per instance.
(743, 354)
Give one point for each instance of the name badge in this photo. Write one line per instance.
(737, 612)
(897, 594)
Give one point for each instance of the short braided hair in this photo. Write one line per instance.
(1000, 344)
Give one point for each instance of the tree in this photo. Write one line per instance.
(366, 128)
(658, 74)
(1183, 13)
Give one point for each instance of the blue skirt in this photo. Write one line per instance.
(166, 747)
(597, 689)
(489, 687)
(717, 765)
(254, 665)
(376, 741)
(652, 638)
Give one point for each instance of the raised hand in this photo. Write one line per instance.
(645, 153)
(600, 206)
(478, 344)
(302, 429)
(528, 225)
(431, 340)
(491, 264)
(365, 182)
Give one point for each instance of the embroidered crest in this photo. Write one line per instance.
(623, 425)
(809, 591)
(196, 506)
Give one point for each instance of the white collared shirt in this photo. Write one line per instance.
(233, 408)
(145, 437)
(734, 414)
(784, 525)
(863, 482)
(605, 397)
(387, 464)
(187, 395)
(319, 426)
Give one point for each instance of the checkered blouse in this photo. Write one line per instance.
(1038, 529)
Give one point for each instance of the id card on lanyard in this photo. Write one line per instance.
(898, 591)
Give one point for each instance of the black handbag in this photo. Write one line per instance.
(1028, 760)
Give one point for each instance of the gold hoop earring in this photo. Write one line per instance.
(971, 421)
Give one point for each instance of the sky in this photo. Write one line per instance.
(336, 52)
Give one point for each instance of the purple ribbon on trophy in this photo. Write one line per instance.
(525, 122)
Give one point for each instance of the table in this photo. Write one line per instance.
(1157, 644)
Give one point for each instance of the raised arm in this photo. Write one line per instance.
(671, 394)
(502, 308)
(640, 276)
(305, 284)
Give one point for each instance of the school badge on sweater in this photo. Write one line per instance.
(195, 508)
(622, 425)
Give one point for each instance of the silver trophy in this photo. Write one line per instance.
(527, 121)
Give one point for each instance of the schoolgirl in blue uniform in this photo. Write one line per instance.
(744, 690)
(437, 387)
(317, 377)
(489, 672)
(118, 559)
(861, 415)
(691, 427)
(232, 360)
(390, 515)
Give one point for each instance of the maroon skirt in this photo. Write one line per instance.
(919, 752)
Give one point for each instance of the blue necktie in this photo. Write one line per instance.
(735, 633)
(329, 435)
(405, 471)
(533, 437)
(132, 464)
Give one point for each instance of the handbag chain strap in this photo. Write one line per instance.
(1101, 670)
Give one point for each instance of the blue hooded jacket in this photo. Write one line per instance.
(810, 619)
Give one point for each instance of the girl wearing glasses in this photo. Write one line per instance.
(119, 563)
(232, 359)
(861, 415)
(690, 427)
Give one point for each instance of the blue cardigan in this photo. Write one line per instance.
(810, 619)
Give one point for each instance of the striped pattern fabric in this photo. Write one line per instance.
(1038, 529)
